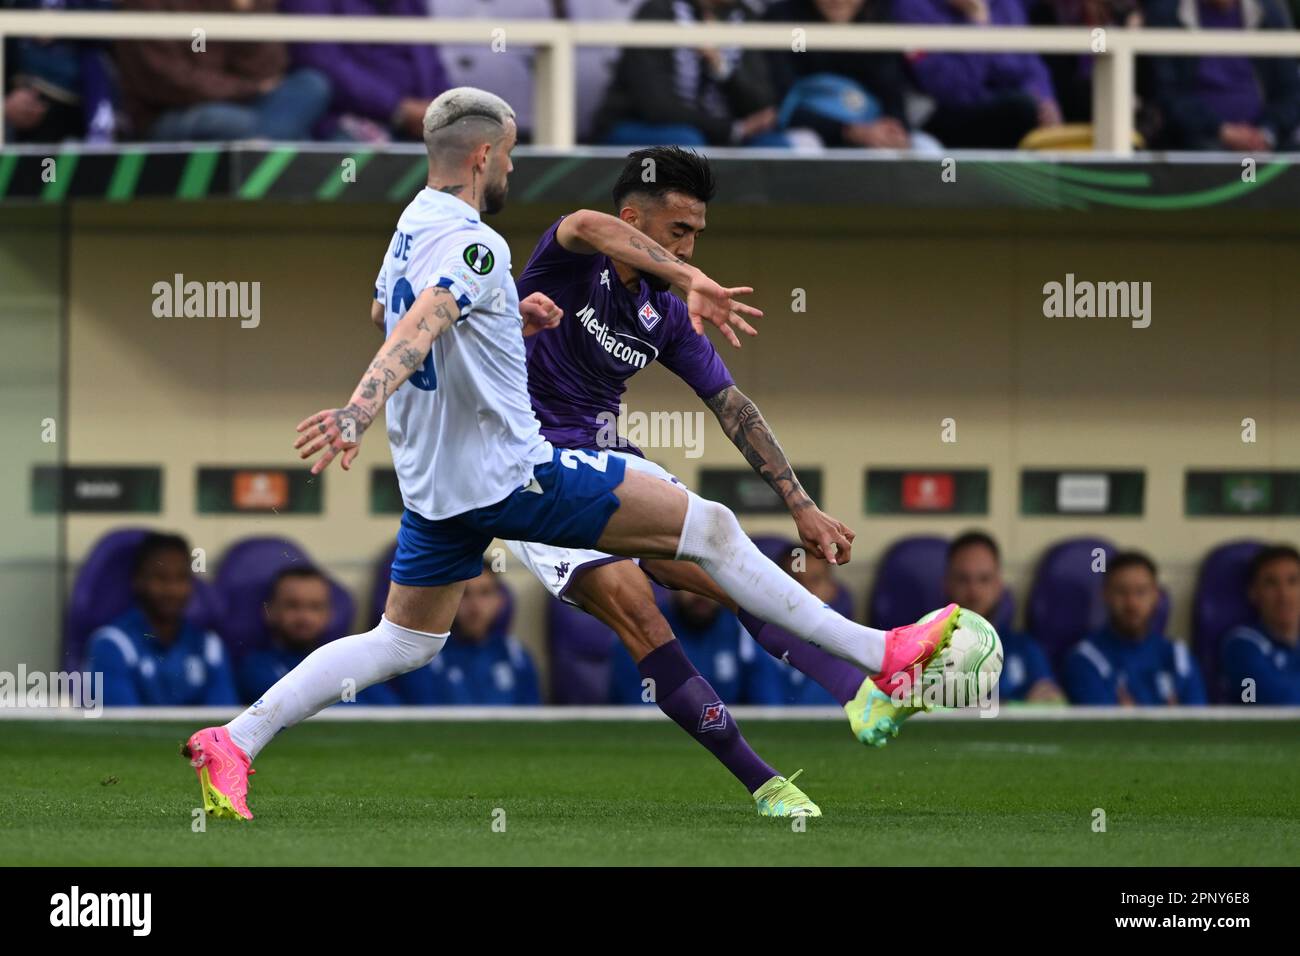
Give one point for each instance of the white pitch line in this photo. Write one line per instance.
(356, 714)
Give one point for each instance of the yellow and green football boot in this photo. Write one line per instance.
(779, 797)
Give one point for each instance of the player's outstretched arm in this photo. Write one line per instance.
(744, 424)
(587, 231)
(335, 431)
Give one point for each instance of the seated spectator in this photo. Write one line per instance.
(1261, 664)
(849, 98)
(774, 681)
(56, 89)
(981, 99)
(690, 96)
(298, 611)
(150, 655)
(1240, 103)
(1127, 663)
(480, 663)
(380, 90)
(973, 579)
(226, 91)
(711, 637)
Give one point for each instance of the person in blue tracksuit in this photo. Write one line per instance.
(973, 579)
(1128, 662)
(150, 655)
(1260, 663)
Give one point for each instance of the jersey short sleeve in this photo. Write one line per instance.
(551, 264)
(691, 356)
(381, 283)
(471, 265)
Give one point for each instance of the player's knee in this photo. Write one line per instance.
(710, 530)
(409, 648)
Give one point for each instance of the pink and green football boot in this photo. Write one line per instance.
(874, 714)
(223, 771)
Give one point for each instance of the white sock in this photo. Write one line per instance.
(348, 664)
(712, 538)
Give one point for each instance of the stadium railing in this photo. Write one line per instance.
(1114, 49)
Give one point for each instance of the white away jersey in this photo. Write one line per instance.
(462, 429)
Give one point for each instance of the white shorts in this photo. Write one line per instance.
(556, 567)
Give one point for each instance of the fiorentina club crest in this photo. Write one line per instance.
(713, 717)
(648, 316)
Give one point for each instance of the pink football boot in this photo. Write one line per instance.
(223, 771)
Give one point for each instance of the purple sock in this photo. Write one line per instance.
(695, 706)
(840, 678)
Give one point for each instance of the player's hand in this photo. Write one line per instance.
(823, 535)
(334, 432)
(706, 301)
(539, 313)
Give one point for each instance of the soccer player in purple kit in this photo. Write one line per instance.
(620, 316)
(472, 464)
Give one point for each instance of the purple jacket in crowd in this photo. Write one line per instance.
(370, 79)
(970, 79)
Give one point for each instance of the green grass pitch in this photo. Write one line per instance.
(981, 792)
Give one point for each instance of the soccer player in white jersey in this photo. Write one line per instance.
(473, 466)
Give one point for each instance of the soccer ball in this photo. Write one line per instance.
(971, 663)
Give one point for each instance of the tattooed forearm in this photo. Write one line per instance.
(652, 249)
(743, 423)
(403, 353)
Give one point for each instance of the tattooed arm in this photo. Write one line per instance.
(744, 424)
(587, 231)
(338, 430)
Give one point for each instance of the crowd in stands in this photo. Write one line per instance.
(165, 90)
(160, 636)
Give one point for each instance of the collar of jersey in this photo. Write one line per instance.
(440, 195)
(643, 291)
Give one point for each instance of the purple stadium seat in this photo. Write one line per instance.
(102, 591)
(243, 580)
(1220, 604)
(580, 649)
(1065, 601)
(909, 581)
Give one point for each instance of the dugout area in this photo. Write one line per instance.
(908, 331)
(896, 300)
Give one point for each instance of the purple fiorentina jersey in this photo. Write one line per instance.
(580, 369)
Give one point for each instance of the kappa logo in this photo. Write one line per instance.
(604, 279)
(713, 717)
(479, 258)
(561, 570)
(648, 316)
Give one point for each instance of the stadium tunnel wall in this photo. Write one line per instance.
(911, 317)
